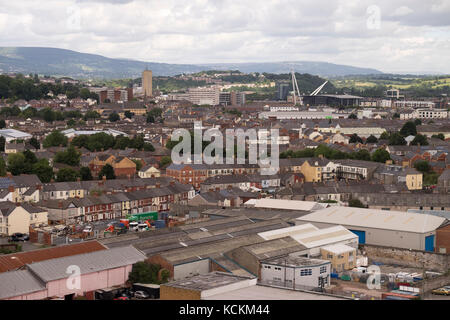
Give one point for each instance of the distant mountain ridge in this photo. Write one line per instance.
(62, 62)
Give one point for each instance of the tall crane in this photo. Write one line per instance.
(295, 88)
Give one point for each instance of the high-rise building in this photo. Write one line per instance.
(147, 88)
(210, 95)
(282, 90)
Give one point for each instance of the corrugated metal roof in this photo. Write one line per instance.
(88, 263)
(16, 260)
(16, 283)
(377, 219)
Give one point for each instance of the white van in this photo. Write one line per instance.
(133, 226)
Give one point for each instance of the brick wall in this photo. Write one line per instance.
(172, 293)
(443, 239)
(408, 258)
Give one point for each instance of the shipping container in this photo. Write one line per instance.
(160, 224)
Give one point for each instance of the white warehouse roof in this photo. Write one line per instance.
(288, 232)
(286, 204)
(310, 236)
(376, 219)
(14, 134)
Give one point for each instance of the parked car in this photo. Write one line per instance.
(88, 229)
(19, 237)
(141, 295)
(442, 291)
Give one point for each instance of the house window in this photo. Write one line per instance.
(323, 269)
(305, 272)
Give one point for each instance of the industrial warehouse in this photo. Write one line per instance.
(380, 227)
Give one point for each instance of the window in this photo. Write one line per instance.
(323, 269)
(305, 272)
(329, 256)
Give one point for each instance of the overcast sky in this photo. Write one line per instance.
(389, 35)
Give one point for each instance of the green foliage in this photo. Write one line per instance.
(43, 170)
(67, 174)
(70, 156)
(361, 155)
(355, 139)
(138, 164)
(396, 139)
(55, 139)
(2, 144)
(371, 139)
(356, 203)
(422, 166)
(2, 167)
(381, 156)
(114, 117)
(408, 129)
(439, 136)
(144, 272)
(420, 139)
(107, 171)
(353, 116)
(16, 163)
(165, 161)
(385, 136)
(35, 143)
(129, 114)
(86, 174)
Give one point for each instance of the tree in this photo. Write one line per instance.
(2, 167)
(149, 147)
(408, 129)
(43, 170)
(86, 174)
(107, 171)
(356, 203)
(129, 114)
(67, 174)
(371, 139)
(150, 119)
(70, 156)
(2, 124)
(385, 136)
(113, 117)
(122, 142)
(396, 139)
(381, 155)
(55, 139)
(2, 143)
(353, 116)
(16, 163)
(71, 123)
(138, 164)
(420, 139)
(35, 143)
(355, 139)
(362, 155)
(417, 122)
(439, 136)
(165, 161)
(422, 166)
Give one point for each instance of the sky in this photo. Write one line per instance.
(388, 35)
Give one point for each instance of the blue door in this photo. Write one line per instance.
(361, 235)
(429, 243)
